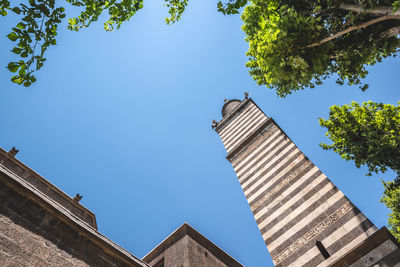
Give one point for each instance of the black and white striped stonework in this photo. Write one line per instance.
(294, 204)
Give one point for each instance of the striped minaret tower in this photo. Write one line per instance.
(304, 219)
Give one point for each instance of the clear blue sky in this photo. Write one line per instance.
(124, 119)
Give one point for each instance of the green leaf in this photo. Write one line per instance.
(21, 72)
(13, 66)
(16, 10)
(12, 36)
(27, 83)
(21, 26)
(16, 50)
(396, 6)
(17, 80)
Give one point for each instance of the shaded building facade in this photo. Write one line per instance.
(42, 226)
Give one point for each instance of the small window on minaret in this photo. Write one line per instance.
(322, 249)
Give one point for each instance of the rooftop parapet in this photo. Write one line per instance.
(13, 165)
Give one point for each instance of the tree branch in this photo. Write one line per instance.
(353, 28)
(40, 30)
(390, 32)
(377, 11)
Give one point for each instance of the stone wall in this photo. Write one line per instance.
(40, 225)
(200, 256)
(175, 255)
(9, 162)
(187, 253)
(22, 247)
(186, 247)
(34, 231)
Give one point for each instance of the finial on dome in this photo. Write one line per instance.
(225, 100)
(246, 95)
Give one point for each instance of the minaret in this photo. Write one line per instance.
(304, 219)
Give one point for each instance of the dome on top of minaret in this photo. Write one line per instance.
(230, 106)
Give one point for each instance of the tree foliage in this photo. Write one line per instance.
(298, 44)
(369, 134)
(391, 198)
(37, 29)
(292, 44)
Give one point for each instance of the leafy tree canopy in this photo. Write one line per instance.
(38, 27)
(292, 44)
(295, 44)
(369, 134)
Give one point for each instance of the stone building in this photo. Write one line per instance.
(42, 226)
(304, 219)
